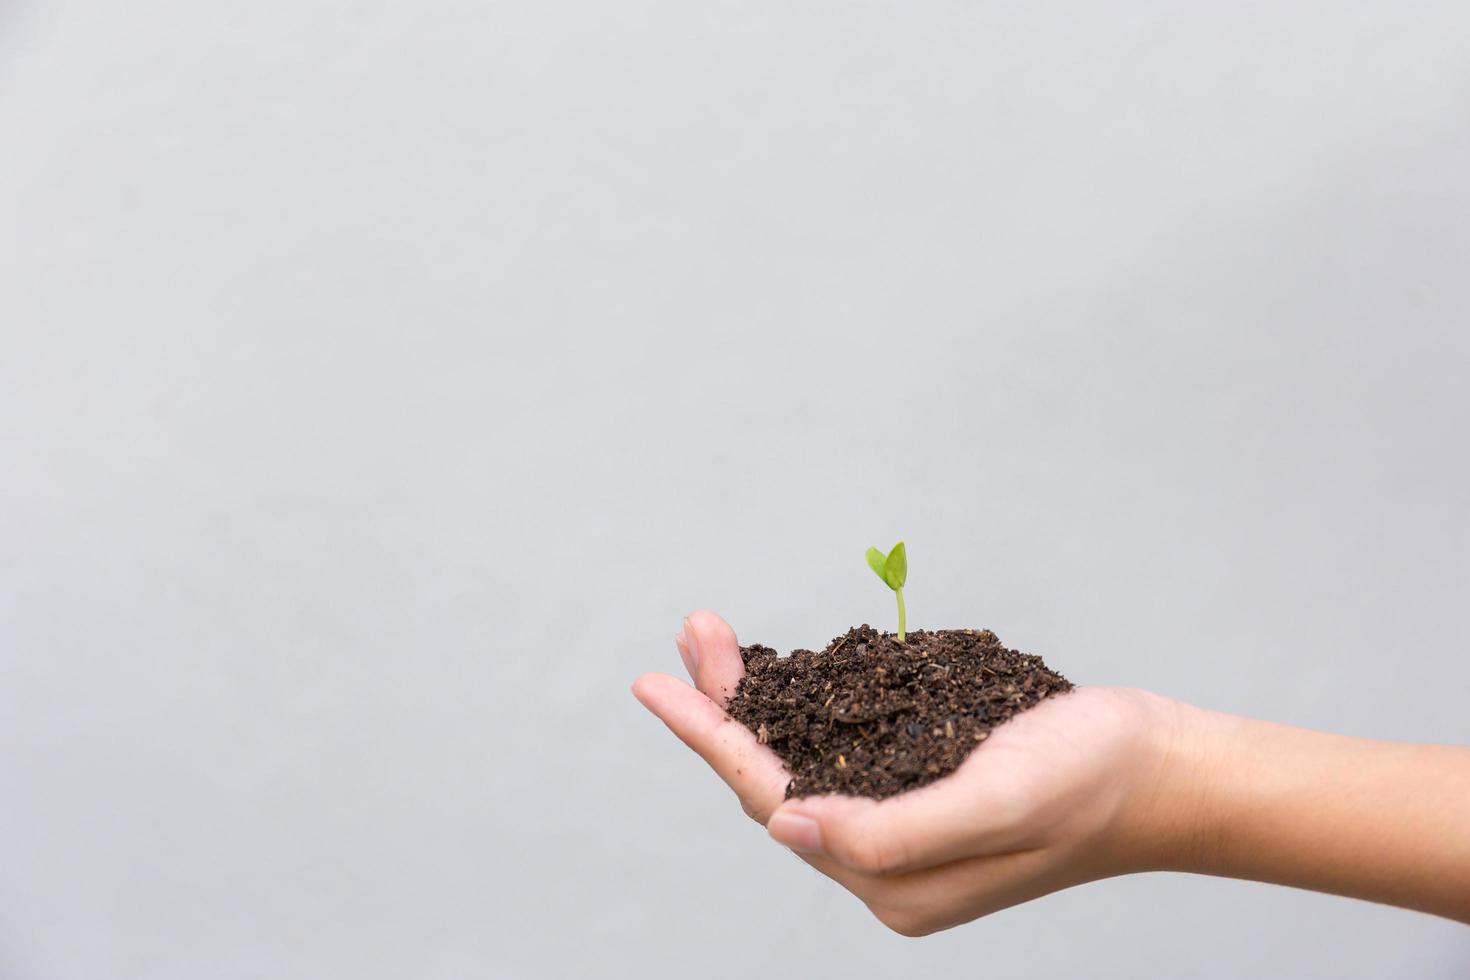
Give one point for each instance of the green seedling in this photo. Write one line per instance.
(893, 569)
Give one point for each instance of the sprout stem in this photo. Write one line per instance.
(899, 593)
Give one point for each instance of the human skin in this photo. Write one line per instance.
(1095, 783)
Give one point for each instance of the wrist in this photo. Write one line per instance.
(1217, 794)
(1188, 758)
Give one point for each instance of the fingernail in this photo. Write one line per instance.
(692, 642)
(683, 646)
(796, 831)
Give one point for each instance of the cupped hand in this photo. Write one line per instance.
(1066, 792)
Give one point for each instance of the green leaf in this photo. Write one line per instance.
(896, 567)
(877, 561)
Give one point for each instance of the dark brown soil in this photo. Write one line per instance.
(869, 716)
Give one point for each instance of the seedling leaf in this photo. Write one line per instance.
(878, 562)
(896, 567)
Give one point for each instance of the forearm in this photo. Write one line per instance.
(1383, 821)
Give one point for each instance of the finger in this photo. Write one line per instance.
(716, 655)
(975, 811)
(749, 768)
(731, 749)
(684, 655)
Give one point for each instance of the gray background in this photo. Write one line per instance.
(382, 381)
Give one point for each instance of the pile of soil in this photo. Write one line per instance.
(869, 716)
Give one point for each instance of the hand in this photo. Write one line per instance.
(1067, 792)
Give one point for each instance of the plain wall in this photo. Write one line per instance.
(380, 383)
